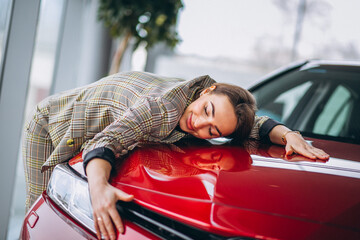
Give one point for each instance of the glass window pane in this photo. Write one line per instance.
(41, 75)
(5, 11)
(336, 112)
(290, 99)
(47, 37)
(280, 107)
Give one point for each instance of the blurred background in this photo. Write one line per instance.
(47, 46)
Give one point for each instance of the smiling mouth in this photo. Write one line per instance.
(189, 123)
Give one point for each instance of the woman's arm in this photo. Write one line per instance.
(145, 117)
(295, 143)
(104, 198)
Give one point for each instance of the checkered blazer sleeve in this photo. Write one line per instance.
(150, 119)
(259, 121)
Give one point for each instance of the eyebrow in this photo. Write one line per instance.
(213, 114)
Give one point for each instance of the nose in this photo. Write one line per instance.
(201, 122)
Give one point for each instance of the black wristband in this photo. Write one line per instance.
(103, 153)
(266, 128)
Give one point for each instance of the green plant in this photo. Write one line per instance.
(148, 21)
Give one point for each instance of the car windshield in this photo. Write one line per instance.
(319, 101)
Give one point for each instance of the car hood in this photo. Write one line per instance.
(254, 192)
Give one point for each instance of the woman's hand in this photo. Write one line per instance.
(295, 143)
(104, 198)
(277, 151)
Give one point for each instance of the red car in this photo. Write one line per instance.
(212, 190)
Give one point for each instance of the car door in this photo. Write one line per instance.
(316, 101)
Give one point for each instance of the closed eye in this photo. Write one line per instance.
(205, 109)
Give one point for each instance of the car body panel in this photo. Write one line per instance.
(305, 195)
(53, 223)
(271, 226)
(338, 150)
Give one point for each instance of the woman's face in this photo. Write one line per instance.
(210, 116)
(206, 159)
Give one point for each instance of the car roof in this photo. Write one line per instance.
(340, 64)
(335, 62)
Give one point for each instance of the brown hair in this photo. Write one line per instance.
(244, 104)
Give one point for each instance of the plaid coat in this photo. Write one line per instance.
(116, 112)
(119, 111)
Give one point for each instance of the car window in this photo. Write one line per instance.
(316, 101)
(281, 106)
(334, 117)
(290, 99)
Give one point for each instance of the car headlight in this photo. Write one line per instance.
(71, 193)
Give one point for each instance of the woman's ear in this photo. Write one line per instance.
(208, 90)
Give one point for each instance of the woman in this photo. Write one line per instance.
(110, 117)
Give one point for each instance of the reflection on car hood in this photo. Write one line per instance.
(257, 193)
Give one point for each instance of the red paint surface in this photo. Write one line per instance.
(232, 192)
(54, 224)
(259, 195)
